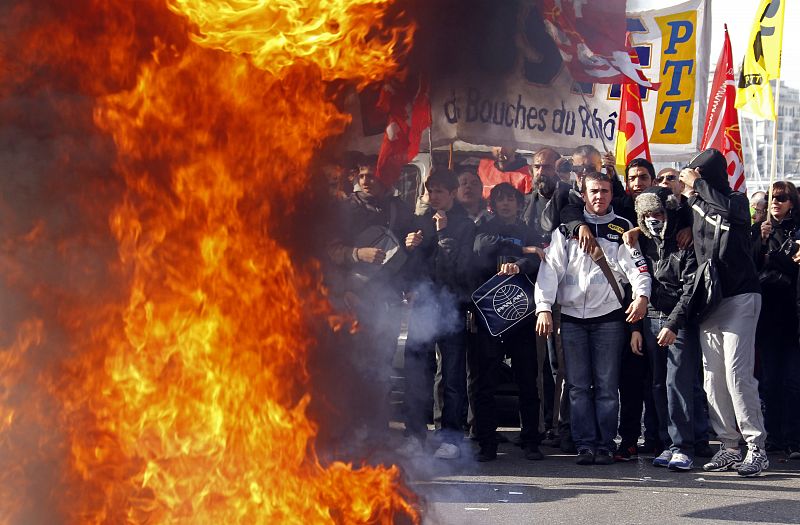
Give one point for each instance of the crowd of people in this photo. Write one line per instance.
(664, 308)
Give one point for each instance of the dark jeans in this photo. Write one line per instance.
(519, 343)
(677, 389)
(633, 382)
(779, 355)
(420, 368)
(592, 354)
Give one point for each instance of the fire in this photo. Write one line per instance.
(182, 396)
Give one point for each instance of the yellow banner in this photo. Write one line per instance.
(762, 60)
(673, 120)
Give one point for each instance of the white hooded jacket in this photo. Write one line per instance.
(570, 277)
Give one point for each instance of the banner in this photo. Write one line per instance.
(534, 102)
(722, 120)
(762, 60)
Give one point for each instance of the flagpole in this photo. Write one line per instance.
(773, 172)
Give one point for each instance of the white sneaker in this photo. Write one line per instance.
(447, 451)
(412, 447)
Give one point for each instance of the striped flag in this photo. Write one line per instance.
(722, 120)
(632, 140)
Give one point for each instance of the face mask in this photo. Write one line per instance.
(654, 226)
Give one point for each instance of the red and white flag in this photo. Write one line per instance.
(409, 113)
(591, 39)
(722, 120)
(632, 140)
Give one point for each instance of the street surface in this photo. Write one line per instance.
(513, 490)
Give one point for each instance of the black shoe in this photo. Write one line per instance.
(603, 457)
(551, 439)
(585, 457)
(626, 452)
(793, 452)
(704, 451)
(486, 454)
(532, 452)
(567, 446)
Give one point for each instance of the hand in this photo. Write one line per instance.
(688, 176)
(796, 257)
(534, 249)
(508, 269)
(414, 239)
(684, 238)
(609, 160)
(371, 255)
(766, 229)
(544, 324)
(586, 240)
(637, 309)
(631, 237)
(636, 343)
(440, 218)
(666, 337)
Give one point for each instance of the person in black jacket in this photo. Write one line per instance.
(503, 245)
(442, 245)
(776, 335)
(727, 334)
(677, 392)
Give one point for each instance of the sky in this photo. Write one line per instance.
(740, 16)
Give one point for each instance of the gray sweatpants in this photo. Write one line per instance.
(727, 339)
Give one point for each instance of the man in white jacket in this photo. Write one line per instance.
(593, 316)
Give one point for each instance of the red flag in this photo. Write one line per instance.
(409, 113)
(722, 119)
(632, 140)
(590, 37)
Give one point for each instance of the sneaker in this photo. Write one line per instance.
(724, 459)
(447, 451)
(680, 461)
(663, 459)
(532, 452)
(585, 457)
(603, 457)
(793, 452)
(626, 453)
(486, 454)
(755, 461)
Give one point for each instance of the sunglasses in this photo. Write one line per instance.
(668, 178)
(781, 197)
(580, 169)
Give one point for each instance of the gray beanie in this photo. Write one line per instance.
(653, 200)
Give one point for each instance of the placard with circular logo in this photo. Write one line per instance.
(504, 300)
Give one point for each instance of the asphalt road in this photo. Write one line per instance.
(513, 490)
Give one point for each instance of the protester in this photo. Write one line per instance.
(443, 245)
(553, 391)
(758, 206)
(669, 178)
(592, 316)
(505, 166)
(678, 397)
(470, 196)
(776, 334)
(727, 333)
(503, 245)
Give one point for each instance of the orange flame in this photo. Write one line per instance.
(186, 403)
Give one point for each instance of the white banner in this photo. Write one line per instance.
(533, 102)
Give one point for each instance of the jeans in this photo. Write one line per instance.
(420, 368)
(520, 344)
(677, 392)
(592, 355)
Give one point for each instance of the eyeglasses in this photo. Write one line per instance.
(780, 197)
(668, 178)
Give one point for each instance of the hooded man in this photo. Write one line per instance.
(677, 393)
(727, 334)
